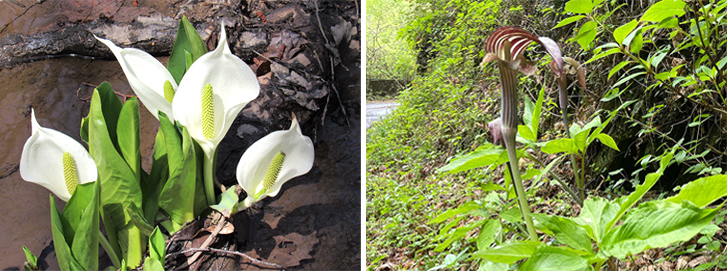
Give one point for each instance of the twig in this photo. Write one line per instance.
(206, 243)
(333, 72)
(209, 249)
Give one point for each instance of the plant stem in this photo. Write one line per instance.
(563, 99)
(508, 81)
(109, 250)
(209, 179)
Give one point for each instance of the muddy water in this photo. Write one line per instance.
(55, 89)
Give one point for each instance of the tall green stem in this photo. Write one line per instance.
(209, 178)
(109, 250)
(508, 81)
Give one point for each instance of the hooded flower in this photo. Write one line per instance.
(211, 94)
(55, 161)
(272, 161)
(149, 79)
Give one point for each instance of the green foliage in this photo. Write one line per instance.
(157, 252)
(188, 46)
(75, 230)
(31, 262)
(387, 56)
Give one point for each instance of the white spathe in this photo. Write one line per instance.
(42, 160)
(233, 83)
(146, 75)
(253, 165)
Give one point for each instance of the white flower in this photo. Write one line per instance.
(148, 78)
(55, 161)
(211, 94)
(272, 161)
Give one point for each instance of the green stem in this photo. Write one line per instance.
(508, 81)
(563, 97)
(209, 179)
(109, 250)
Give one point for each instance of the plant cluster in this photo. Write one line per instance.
(195, 98)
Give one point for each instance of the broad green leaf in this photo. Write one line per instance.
(179, 189)
(137, 217)
(187, 41)
(508, 253)
(61, 246)
(490, 266)
(85, 241)
(586, 34)
(157, 177)
(579, 6)
(639, 192)
(595, 215)
(565, 230)
(84, 129)
(487, 234)
(512, 215)
(128, 135)
(120, 186)
(569, 20)
(702, 191)
(547, 258)
(608, 141)
(620, 33)
(567, 145)
(580, 139)
(465, 208)
(663, 10)
(654, 225)
(483, 156)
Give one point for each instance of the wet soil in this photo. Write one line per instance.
(314, 223)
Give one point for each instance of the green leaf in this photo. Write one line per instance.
(84, 129)
(483, 156)
(85, 241)
(638, 42)
(138, 219)
(618, 67)
(228, 202)
(569, 20)
(595, 215)
(639, 192)
(567, 145)
(663, 10)
(603, 54)
(30, 259)
(535, 124)
(187, 41)
(459, 233)
(586, 34)
(120, 186)
(608, 141)
(702, 191)
(579, 6)
(157, 252)
(654, 225)
(565, 231)
(487, 234)
(620, 33)
(547, 258)
(580, 139)
(176, 195)
(508, 253)
(61, 246)
(128, 135)
(465, 208)
(526, 133)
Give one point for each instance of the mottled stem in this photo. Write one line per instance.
(508, 81)
(563, 97)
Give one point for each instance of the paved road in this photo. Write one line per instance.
(377, 110)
